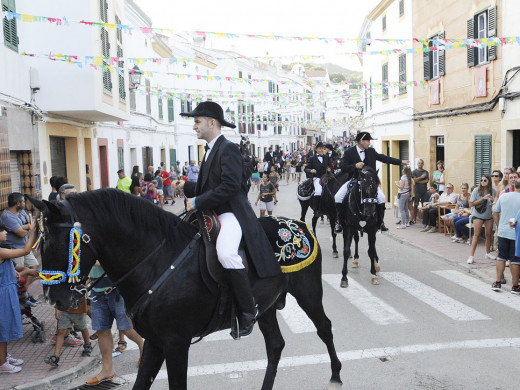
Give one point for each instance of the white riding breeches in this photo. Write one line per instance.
(228, 242)
(342, 192)
(317, 186)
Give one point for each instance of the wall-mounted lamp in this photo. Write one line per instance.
(135, 78)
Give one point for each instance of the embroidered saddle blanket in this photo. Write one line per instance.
(295, 245)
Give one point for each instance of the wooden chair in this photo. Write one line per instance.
(444, 209)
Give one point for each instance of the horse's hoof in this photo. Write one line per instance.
(355, 263)
(344, 284)
(375, 280)
(335, 255)
(378, 268)
(335, 385)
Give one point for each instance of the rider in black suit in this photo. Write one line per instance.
(318, 165)
(222, 187)
(268, 157)
(355, 158)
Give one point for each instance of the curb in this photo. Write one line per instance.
(69, 375)
(476, 272)
(65, 376)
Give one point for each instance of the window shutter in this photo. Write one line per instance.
(442, 57)
(160, 107)
(492, 31)
(472, 57)
(10, 28)
(482, 156)
(7, 24)
(427, 64)
(170, 109)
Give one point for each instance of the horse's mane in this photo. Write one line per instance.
(114, 207)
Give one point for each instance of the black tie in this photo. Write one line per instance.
(206, 147)
(361, 151)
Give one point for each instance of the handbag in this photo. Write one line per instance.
(481, 207)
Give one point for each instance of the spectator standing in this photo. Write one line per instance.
(11, 318)
(88, 178)
(510, 187)
(106, 308)
(135, 187)
(260, 168)
(124, 182)
(274, 177)
(505, 210)
(193, 171)
(18, 224)
(430, 213)
(481, 203)
(439, 176)
(167, 185)
(497, 177)
(72, 318)
(185, 169)
(298, 168)
(255, 181)
(54, 190)
(266, 196)
(268, 159)
(159, 187)
(404, 195)
(148, 188)
(421, 178)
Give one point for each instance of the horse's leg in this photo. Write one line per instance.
(347, 241)
(151, 363)
(309, 297)
(176, 353)
(314, 222)
(274, 345)
(372, 254)
(355, 262)
(304, 206)
(334, 247)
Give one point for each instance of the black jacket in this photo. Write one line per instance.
(321, 167)
(222, 186)
(351, 158)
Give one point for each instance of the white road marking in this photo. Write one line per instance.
(359, 354)
(439, 301)
(481, 288)
(373, 307)
(295, 317)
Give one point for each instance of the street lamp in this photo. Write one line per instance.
(135, 78)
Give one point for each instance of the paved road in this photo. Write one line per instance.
(428, 325)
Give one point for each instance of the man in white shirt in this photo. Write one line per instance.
(430, 213)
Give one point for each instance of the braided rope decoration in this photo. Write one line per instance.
(74, 254)
(52, 277)
(41, 235)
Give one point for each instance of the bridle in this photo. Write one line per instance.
(361, 211)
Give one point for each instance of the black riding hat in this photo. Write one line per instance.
(210, 110)
(364, 135)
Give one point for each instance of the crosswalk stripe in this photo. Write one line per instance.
(480, 288)
(439, 301)
(373, 307)
(344, 356)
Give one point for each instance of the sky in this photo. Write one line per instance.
(323, 18)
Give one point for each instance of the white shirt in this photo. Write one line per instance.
(361, 153)
(210, 145)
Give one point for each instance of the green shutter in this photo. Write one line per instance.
(10, 27)
(170, 109)
(482, 156)
(160, 107)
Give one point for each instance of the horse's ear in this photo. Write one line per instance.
(43, 205)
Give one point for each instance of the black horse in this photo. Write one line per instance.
(331, 185)
(140, 246)
(360, 215)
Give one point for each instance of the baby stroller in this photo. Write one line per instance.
(38, 334)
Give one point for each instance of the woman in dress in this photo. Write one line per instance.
(461, 211)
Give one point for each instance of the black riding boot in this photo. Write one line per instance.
(244, 300)
(339, 212)
(381, 212)
(317, 206)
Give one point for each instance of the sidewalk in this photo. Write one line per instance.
(37, 375)
(442, 246)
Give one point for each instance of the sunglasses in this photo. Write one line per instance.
(495, 176)
(508, 168)
(483, 180)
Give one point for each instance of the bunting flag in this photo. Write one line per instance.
(111, 63)
(438, 44)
